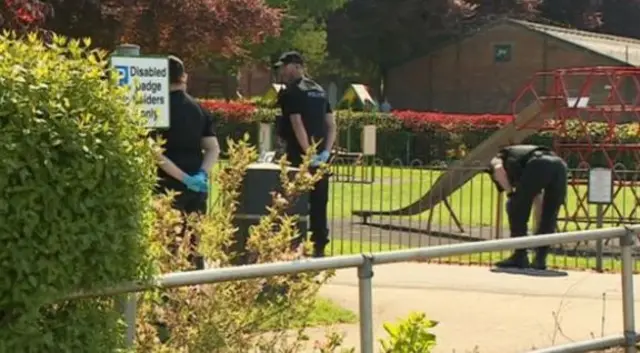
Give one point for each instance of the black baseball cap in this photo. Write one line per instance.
(290, 57)
(176, 69)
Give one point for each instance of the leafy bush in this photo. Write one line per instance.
(76, 181)
(411, 335)
(259, 315)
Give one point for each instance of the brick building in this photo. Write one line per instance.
(254, 79)
(251, 80)
(483, 71)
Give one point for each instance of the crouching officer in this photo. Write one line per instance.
(530, 174)
(306, 117)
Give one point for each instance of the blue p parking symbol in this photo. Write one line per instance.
(123, 74)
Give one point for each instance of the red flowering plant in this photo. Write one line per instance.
(246, 111)
(421, 121)
(454, 133)
(440, 123)
(229, 111)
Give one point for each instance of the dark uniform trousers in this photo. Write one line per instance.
(318, 201)
(188, 202)
(546, 172)
(318, 223)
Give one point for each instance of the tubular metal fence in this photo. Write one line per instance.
(365, 263)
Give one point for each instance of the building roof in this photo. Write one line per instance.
(623, 49)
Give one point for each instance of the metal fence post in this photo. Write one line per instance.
(599, 242)
(130, 311)
(365, 273)
(628, 311)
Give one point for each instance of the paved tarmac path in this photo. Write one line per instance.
(495, 312)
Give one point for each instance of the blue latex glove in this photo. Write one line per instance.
(203, 175)
(318, 159)
(197, 182)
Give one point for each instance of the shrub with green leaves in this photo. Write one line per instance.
(411, 335)
(268, 314)
(76, 180)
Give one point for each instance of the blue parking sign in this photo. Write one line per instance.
(123, 74)
(147, 80)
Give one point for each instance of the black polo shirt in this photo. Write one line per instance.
(190, 123)
(307, 98)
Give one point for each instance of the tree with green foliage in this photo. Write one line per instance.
(76, 185)
(302, 28)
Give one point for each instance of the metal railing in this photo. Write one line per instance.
(474, 212)
(365, 263)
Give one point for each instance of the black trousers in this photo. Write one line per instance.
(188, 202)
(546, 173)
(318, 223)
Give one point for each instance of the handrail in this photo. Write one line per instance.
(216, 275)
(364, 263)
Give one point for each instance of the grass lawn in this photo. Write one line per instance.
(346, 247)
(325, 312)
(474, 203)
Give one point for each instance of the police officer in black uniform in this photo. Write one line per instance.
(530, 174)
(306, 118)
(190, 151)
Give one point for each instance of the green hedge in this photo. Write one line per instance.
(76, 181)
(429, 147)
(422, 137)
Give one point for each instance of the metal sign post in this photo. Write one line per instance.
(369, 146)
(127, 50)
(600, 193)
(265, 138)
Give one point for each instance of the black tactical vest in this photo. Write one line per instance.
(514, 159)
(314, 102)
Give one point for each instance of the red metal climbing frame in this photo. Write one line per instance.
(593, 115)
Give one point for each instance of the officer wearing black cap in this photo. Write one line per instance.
(306, 118)
(190, 151)
(530, 175)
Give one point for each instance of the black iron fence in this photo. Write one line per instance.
(377, 206)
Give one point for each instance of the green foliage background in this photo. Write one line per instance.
(75, 186)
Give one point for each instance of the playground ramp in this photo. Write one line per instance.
(526, 123)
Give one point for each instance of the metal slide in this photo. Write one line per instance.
(464, 170)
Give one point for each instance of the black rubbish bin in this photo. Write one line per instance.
(255, 195)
